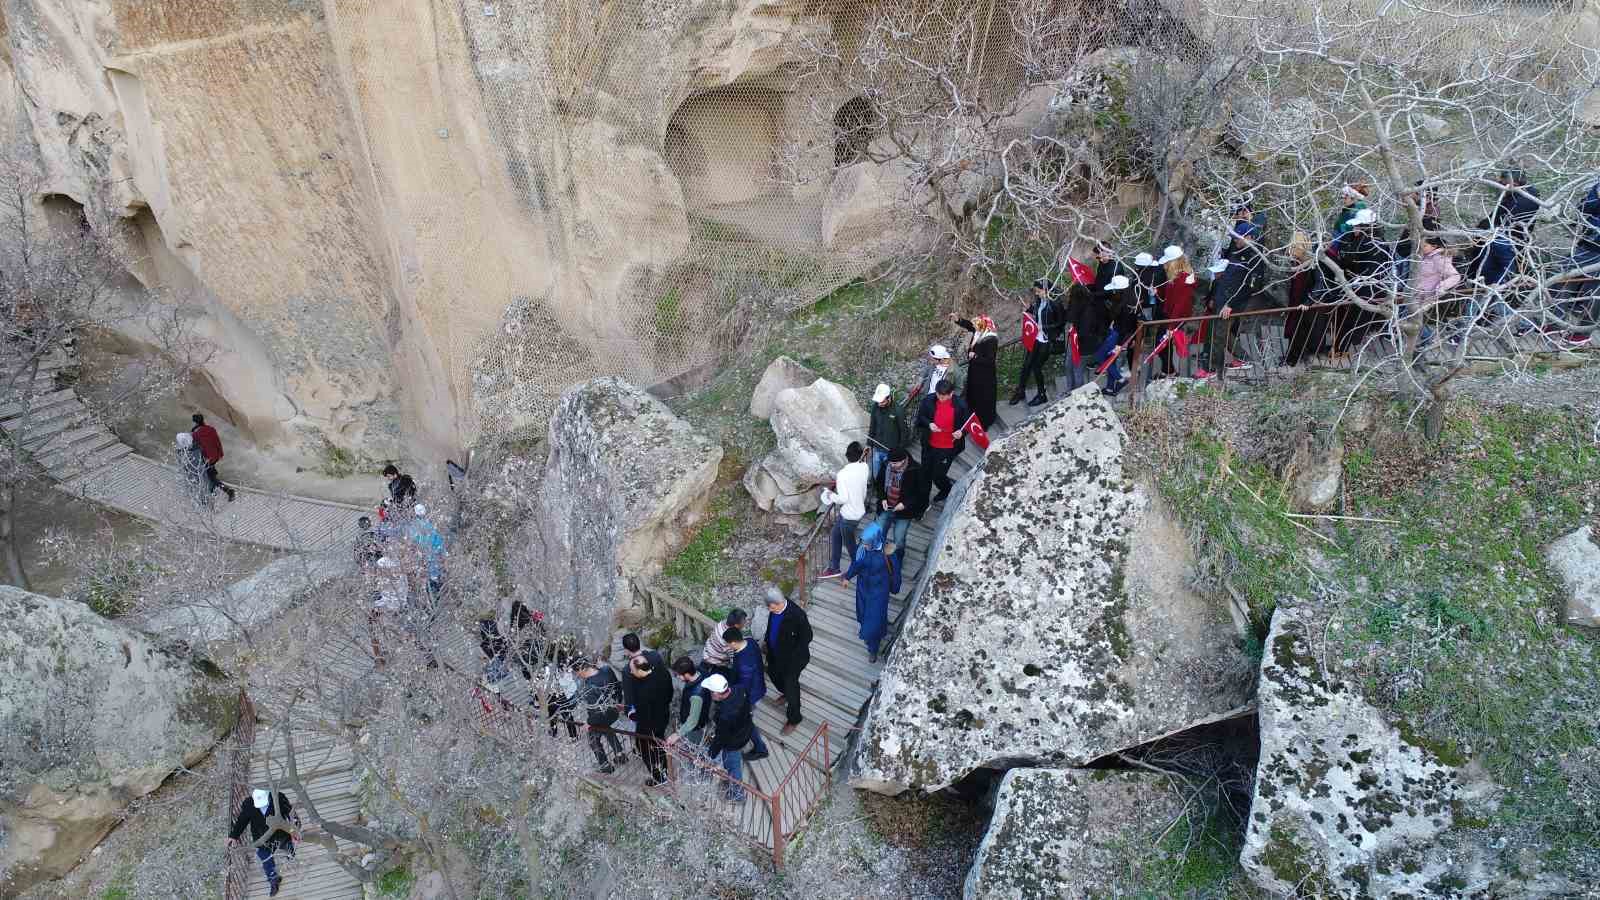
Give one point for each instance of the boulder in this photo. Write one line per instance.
(1170, 390)
(1577, 559)
(1066, 833)
(1263, 130)
(781, 374)
(1347, 804)
(814, 425)
(623, 486)
(92, 717)
(1316, 472)
(252, 601)
(1059, 624)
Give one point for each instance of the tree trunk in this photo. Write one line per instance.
(15, 574)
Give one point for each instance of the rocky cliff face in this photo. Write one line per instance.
(92, 717)
(403, 223)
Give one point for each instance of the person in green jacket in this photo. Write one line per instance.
(887, 431)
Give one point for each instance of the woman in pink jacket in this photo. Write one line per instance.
(1436, 276)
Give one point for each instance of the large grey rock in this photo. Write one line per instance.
(1070, 833)
(250, 602)
(1347, 804)
(623, 486)
(1058, 625)
(781, 374)
(814, 425)
(1316, 472)
(92, 717)
(1577, 559)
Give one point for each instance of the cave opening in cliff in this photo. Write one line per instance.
(854, 126)
(722, 143)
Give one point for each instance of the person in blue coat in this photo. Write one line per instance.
(749, 672)
(874, 571)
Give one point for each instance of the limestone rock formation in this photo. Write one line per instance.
(1059, 624)
(1316, 472)
(781, 374)
(623, 485)
(1068, 834)
(1347, 804)
(252, 601)
(1577, 559)
(814, 425)
(92, 717)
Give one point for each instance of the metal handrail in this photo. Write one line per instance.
(237, 865)
(802, 576)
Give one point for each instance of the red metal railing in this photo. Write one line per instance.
(803, 570)
(235, 860)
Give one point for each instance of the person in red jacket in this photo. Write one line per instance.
(210, 444)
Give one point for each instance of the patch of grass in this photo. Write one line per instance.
(118, 890)
(111, 589)
(699, 565)
(396, 882)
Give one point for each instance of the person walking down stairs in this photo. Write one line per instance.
(268, 821)
(875, 571)
(850, 493)
(788, 643)
(211, 448)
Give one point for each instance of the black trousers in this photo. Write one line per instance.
(599, 752)
(786, 678)
(559, 708)
(1033, 363)
(939, 467)
(212, 481)
(650, 750)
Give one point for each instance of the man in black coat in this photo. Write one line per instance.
(267, 837)
(598, 696)
(943, 415)
(631, 647)
(1051, 321)
(902, 490)
(652, 699)
(788, 646)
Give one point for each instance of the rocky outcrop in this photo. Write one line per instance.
(92, 717)
(1059, 624)
(1348, 804)
(622, 488)
(249, 602)
(1065, 834)
(814, 425)
(1577, 559)
(1316, 471)
(780, 375)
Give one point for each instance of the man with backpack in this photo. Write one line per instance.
(268, 819)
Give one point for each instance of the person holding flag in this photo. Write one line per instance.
(1104, 359)
(1177, 302)
(1042, 322)
(1086, 323)
(942, 413)
(980, 392)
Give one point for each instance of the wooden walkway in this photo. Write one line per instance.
(86, 460)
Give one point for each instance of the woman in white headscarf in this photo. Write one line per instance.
(192, 465)
(981, 391)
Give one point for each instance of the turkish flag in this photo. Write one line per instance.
(1081, 273)
(1160, 345)
(1072, 341)
(1030, 332)
(1180, 342)
(1110, 358)
(974, 430)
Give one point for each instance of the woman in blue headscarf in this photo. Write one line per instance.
(874, 571)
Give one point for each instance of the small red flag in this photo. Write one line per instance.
(1160, 345)
(1110, 358)
(1081, 273)
(1030, 332)
(1180, 342)
(974, 430)
(1072, 341)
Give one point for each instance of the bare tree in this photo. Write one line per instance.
(63, 278)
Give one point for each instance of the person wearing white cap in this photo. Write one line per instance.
(1114, 307)
(1151, 276)
(421, 532)
(886, 429)
(733, 730)
(935, 368)
(270, 833)
(1049, 322)
(1355, 203)
(1367, 264)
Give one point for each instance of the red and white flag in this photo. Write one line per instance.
(1030, 332)
(1180, 342)
(1110, 358)
(1160, 346)
(974, 429)
(1072, 342)
(1081, 273)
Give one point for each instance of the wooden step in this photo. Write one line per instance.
(37, 403)
(35, 434)
(78, 464)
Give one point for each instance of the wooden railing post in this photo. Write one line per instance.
(776, 803)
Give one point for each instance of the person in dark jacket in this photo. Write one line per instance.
(1580, 312)
(1304, 328)
(1364, 260)
(631, 648)
(1519, 205)
(210, 444)
(1078, 314)
(192, 466)
(266, 816)
(981, 390)
(694, 703)
(748, 670)
(598, 696)
(788, 642)
(943, 415)
(1113, 309)
(733, 728)
(652, 699)
(1051, 322)
(886, 429)
(874, 572)
(402, 493)
(902, 490)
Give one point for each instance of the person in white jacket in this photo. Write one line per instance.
(850, 494)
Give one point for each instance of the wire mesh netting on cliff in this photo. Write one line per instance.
(576, 188)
